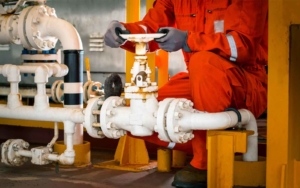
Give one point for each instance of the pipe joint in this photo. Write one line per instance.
(42, 73)
(60, 70)
(12, 72)
(67, 158)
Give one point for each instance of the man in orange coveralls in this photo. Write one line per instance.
(224, 43)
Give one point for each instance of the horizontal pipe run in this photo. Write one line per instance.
(49, 114)
(25, 153)
(52, 157)
(223, 120)
(208, 121)
(54, 69)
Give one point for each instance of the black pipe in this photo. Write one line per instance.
(73, 59)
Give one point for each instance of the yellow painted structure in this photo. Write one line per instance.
(250, 174)
(178, 159)
(283, 135)
(131, 155)
(225, 169)
(164, 158)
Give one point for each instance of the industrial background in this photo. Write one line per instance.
(121, 161)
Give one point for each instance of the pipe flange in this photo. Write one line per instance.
(176, 111)
(9, 151)
(90, 90)
(59, 92)
(85, 90)
(107, 111)
(161, 126)
(53, 91)
(12, 29)
(29, 28)
(94, 104)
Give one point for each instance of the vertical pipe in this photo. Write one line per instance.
(73, 87)
(14, 88)
(132, 15)
(41, 89)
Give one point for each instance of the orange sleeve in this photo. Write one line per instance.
(244, 27)
(161, 15)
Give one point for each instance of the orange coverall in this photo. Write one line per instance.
(226, 68)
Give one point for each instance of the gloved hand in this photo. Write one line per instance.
(111, 37)
(174, 39)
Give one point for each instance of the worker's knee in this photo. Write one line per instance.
(208, 61)
(203, 59)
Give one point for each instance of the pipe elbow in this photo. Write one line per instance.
(249, 120)
(47, 28)
(67, 158)
(67, 34)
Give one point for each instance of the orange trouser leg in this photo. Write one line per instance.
(213, 84)
(217, 84)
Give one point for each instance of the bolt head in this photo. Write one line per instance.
(176, 129)
(191, 136)
(16, 160)
(51, 44)
(26, 145)
(123, 102)
(36, 20)
(45, 44)
(177, 115)
(51, 11)
(118, 102)
(42, 10)
(110, 125)
(36, 34)
(100, 133)
(110, 113)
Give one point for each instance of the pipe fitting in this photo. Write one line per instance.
(43, 19)
(12, 72)
(67, 158)
(42, 73)
(59, 70)
(69, 127)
